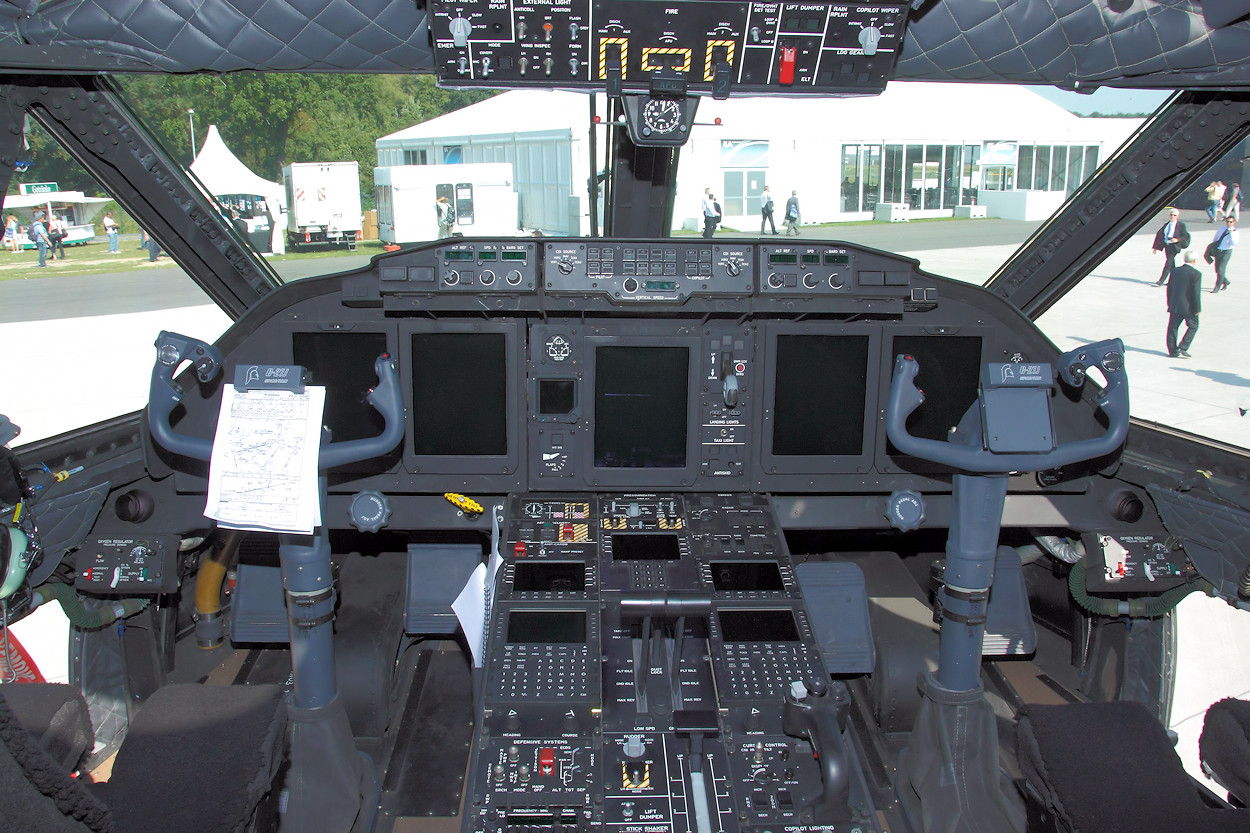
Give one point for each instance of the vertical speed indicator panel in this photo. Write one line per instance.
(726, 47)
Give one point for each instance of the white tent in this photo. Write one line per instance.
(222, 174)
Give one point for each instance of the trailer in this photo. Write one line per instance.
(482, 198)
(323, 200)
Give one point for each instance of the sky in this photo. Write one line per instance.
(1106, 100)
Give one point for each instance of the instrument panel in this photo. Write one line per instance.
(678, 364)
(701, 46)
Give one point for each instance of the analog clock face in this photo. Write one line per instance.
(661, 115)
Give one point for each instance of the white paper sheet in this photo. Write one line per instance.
(475, 604)
(263, 471)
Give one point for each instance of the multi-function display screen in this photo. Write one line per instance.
(549, 577)
(818, 403)
(949, 373)
(640, 406)
(459, 394)
(343, 364)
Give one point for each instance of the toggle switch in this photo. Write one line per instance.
(785, 73)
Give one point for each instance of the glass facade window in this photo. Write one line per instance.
(850, 178)
(913, 175)
(1091, 160)
(1076, 165)
(971, 176)
(1025, 166)
(872, 176)
(950, 176)
(892, 178)
(1041, 168)
(1058, 168)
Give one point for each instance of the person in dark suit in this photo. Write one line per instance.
(1184, 304)
(1172, 239)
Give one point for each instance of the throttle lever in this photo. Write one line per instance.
(818, 715)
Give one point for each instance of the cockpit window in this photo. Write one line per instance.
(1175, 293)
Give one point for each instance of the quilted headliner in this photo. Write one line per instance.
(1070, 43)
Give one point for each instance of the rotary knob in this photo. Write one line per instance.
(869, 37)
(733, 267)
(369, 511)
(904, 509)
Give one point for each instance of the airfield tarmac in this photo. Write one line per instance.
(52, 327)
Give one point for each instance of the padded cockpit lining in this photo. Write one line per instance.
(1225, 746)
(56, 716)
(36, 792)
(1160, 43)
(213, 751)
(1111, 768)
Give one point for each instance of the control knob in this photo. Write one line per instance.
(904, 509)
(514, 277)
(734, 267)
(629, 285)
(369, 510)
(460, 29)
(775, 280)
(565, 265)
(811, 281)
(486, 278)
(869, 37)
(451, 278)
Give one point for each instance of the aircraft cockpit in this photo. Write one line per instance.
(636, 530)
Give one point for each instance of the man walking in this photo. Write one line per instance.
(766, 210)
(792, 213)
(40, 232)
(446, 217)
(710, 215)
(1224, 241)
(1184, 304)
(1172, 239)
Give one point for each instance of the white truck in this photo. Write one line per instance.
(323, 203)
(481, 195)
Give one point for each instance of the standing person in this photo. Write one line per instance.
(792, 213)
(110, 228)
(1223, 244)
(40, 233)
(1232, 201)
(1184, 304)
(446, 218)
(57, 235)
(1172, 239)
(1215, 195)
(11, 228)
(710, 215)
(766, 210)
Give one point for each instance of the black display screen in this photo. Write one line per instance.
(545, 627)
(556, 397)
(645, 547)
(758, 626)
(818, 402)
(746, 576)
(549, 577)
(343, 364)
(459, 394)
(640, 406)
(949, 374)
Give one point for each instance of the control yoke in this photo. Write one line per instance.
(1107, 356)
(163, 396)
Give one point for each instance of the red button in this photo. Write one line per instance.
(547, 761)
(519, 550)
(786, 75)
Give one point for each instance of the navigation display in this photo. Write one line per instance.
(818, 402)
(949, 373)
(459, 394)
(640, 406)
(342, 363)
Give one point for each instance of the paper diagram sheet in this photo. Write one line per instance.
(263, 471)
(474, 604)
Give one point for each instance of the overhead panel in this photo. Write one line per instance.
(718, 47)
